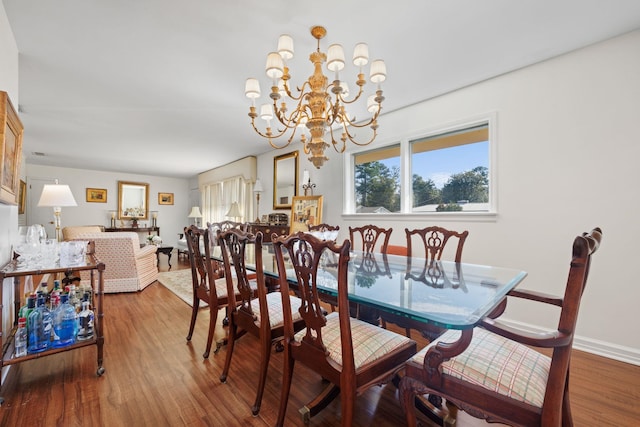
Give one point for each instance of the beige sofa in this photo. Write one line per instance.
(72, 232)
(128, 267)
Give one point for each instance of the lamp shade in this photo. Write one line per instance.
(195, 212)
(56, 195)
(234, 210)
(257, 187)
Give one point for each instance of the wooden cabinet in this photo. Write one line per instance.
(135, 229)
(16, 269)
(267, 230)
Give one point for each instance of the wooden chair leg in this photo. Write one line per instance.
(287, 375)
(233, 329)
(265, 350)
(194, 314)
(347, 402)
(407, 399)
(213, 318)
(567, 419)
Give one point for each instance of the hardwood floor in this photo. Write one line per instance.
(154, 377)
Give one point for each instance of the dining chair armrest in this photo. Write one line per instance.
(544, 339)
(536, 296)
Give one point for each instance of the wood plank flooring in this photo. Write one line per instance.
(154, 377)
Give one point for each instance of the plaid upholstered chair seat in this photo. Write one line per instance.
(497, 364)
(274, 304)
(370, 342)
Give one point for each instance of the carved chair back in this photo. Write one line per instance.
(370, 238)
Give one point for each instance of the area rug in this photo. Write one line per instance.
(179, 282)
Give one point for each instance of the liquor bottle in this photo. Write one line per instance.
(28, 286)
(64, 323)
(85, 289)
(28, 307)
(43, 290)
(21, 338)
(85, 322)
(39, 327)
(73, 298)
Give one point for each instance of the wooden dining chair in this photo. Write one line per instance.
(207, 287)
(370, 238)
(258, 312)
(351, 354)
(433, 241)
(500, 376)
(429, 244)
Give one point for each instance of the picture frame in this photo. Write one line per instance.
(22, 198)
(165, 198)
(305, 211)
(11, 131)
(96, 195)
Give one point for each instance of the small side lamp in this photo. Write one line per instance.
(112, 215)
(257, 188)
(195, 213)
(56, 196)
(234, 211)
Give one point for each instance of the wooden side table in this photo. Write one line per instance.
(164, 250)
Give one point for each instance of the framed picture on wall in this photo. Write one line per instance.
(11, 130)
(22, 198)
(165, 198)
(96, 195)
(305, 211)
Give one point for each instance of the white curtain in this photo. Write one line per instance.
(218, 197)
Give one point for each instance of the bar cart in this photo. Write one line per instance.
(17, 269)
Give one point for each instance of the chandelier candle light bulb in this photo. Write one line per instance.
(319, 105)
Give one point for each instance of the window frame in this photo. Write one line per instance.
(406, 197)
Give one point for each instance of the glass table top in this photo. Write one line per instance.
(454, 296)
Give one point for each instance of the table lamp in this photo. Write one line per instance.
(56, 196)
(257, 188)
(234, 211)
(195, 213)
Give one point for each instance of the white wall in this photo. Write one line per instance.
(171, 218)
(568, 153)
(8, 214)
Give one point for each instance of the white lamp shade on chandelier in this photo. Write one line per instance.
(319, 104)
(56, 196)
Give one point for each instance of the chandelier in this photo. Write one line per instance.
(319, 104)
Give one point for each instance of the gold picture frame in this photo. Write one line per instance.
(96, 195)
(305, 211)
(165, 198)
(22, 198)
(285, 180)
(11, 131)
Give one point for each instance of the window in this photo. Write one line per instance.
(450, 171)
(447, 170)
(377, 180)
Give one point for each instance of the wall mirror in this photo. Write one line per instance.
(133, 200)
(285, 180)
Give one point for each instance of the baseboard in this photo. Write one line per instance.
(589, 345)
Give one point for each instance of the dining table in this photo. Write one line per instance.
(443, 294)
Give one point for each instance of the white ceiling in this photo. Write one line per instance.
(157, 86)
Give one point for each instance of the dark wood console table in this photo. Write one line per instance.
(267, 230)
(135, 229)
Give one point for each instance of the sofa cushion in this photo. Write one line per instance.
(73, 232)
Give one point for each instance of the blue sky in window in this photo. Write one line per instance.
(439, 165)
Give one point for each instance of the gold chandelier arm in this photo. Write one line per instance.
(339, 95)
(269, 135)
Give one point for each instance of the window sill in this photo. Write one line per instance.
(430, 216)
